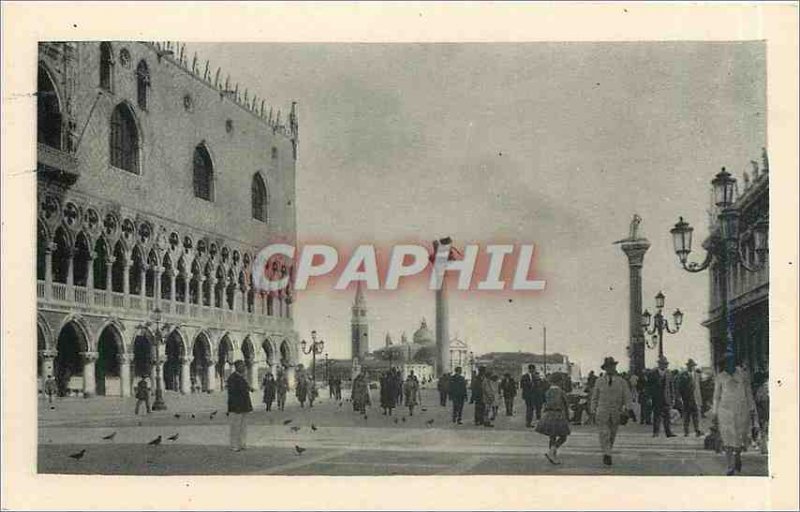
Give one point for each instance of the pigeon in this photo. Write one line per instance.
(299, 449)
(192, 416)
(366, 417)
(79, 455)
(286, 422)
(52, 408)
(295, 429)
(173, 438)
(340, 405)
(211, 417)
(110, 436)
(424, 410)
(155, 442)
(429, 423)
(313, 427)
(177, 415)
(404, 419)
(227, 414)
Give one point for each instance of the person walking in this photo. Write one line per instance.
(301, 390)
(489, 389)
(477, 395)
(526, 384)
(313, 392)
(281, 388)
(645, 406)
(411, 392)
(239, 406)
(331, 388)
(687, 390)
(388, 393)
(142, 395)
(555, 421)
(359, 395)
(442, 386)
(610, 399)
(734, 410)
(50, 388)
(270, 387)
(508, 388)
(662, 394)
(458, 394)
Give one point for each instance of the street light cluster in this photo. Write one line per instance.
(660, 323)
(724, 249)
(314, 348)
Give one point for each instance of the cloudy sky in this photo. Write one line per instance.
(552, 144)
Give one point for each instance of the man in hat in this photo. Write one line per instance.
(662, 395)
(533, 394)
(610, 399)
(239, 406)
(689, 391)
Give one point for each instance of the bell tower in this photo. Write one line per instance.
(359, 326)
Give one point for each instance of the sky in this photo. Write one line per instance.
(555, 144)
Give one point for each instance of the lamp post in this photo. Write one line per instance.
(314, 348)
(724, 249)
(327, 372)
(660, 323)
(158, 404)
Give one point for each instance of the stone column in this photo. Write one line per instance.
(89, 359)
(109, 275)
(126, 283)
(172, 278)
(126, 386)
(187, 287)
(143, 282)
(442, 331)
(186, 375)
(161, 360)
(635, 249)
(70, 254)
(157, 284)
(90, 272)
(212, 291)
(48, 362)
(48, 264)
(237, 296)
(210, 370)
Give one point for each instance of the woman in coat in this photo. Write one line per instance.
(281, 387)
(270, 389)
(554, 422)
(734, 410)
(360, 393)
(489, 388)
(411, 391)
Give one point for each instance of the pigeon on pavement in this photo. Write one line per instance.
(177, 415)
(299, 449)
(313, 427)
(79, 455)
(286, 422)
(295, 429)
(404, 419)
(110, 436)
(429, 423)
(174, 437)
(155, 442)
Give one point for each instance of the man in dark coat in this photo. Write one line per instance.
(508, 388)
(687, 390)
(662, 394)
(457, 389)
(442, 387)
(532, 388)
(239, 406)
(477, 396)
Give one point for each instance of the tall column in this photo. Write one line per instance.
(442, 331)
(172, 278)
(211, 381)
(109, 275)
(48, 362)
(186, 375)
(245, 295)
(90, 272)
(237, 295)
(70, 255)
(212, 291)
(126, 283)
(143, 281)
(187, 287)
(159, 270)
(89, 359)
(125, 384)
(634, 249)
(158, 404)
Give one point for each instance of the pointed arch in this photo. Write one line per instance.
(62, 254)
(137, 268)
(43, 327)
(101, 258)
(49, 128)
(125, 139)
(80, 260)
(106, 65)
(259, 198)
(203, 173)
(118, 267)
(142, 84)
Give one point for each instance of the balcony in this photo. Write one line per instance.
(118, 304)
(56, 164)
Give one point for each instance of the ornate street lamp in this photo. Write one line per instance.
(660, 323)
(724, 249)
(155, 317)
(314, 348)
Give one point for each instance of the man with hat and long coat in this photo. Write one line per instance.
(662, 394)
(689, 391)
(610, 398)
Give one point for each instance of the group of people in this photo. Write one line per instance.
(394, 391)
(274, 388)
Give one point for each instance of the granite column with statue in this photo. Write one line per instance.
(635, 247)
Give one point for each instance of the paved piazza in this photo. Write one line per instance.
(344, 443)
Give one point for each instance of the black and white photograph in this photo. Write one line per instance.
(411, 258)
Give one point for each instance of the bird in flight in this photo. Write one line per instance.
(155, 442)
(173, 437)
(211, 417)
(79, 455)
(299, 449)
(110, 436)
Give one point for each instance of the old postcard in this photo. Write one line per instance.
(454, 261)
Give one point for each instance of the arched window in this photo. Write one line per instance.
(48, 112)
(106, 66)
(203, 174)
(142, 84)
(258, 194)
(124, 140)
